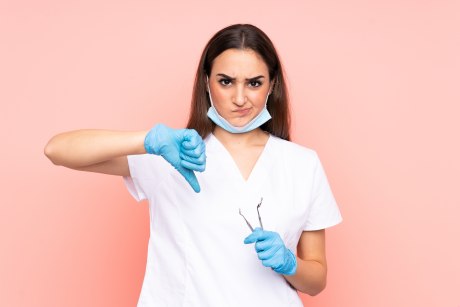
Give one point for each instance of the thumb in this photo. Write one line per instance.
(190, 176)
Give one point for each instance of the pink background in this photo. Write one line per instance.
(375, 91)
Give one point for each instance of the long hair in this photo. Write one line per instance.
(241, 36)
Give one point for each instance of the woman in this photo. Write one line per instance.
(239, 168)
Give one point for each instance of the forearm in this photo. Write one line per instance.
(82, 148)
(310, 276)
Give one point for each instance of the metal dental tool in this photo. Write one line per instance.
(250, 227)
(260, 220)
(258, 214)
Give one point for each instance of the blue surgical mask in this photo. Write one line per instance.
(256, 122)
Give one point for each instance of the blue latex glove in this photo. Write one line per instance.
(271, 250)
(184, 149)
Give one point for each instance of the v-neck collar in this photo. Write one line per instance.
(260, 170)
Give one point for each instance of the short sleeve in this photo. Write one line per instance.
(132, 182)
(134, 188)
(146, 173)
(323, 210)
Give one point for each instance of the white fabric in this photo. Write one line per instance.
(196, 254)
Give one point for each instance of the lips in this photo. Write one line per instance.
(242, 112)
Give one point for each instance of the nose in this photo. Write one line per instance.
(240, 98)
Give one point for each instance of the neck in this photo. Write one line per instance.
(254, 137)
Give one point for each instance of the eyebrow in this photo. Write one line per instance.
(247, 79)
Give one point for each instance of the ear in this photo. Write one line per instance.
(207, 83)
(272, 85)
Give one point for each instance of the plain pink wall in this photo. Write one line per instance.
(375, 90)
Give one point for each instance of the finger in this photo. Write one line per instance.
(191, 178)
(195, 152)
(192, 144)
(191, 139)
(193, 166)
(266, 235)
(253, 237)
(268, 253)
(271, 263)
(200, 162)
(262, 235)
(262, 245)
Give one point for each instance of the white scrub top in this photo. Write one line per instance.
(196, 254)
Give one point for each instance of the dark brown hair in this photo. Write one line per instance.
(241, 36)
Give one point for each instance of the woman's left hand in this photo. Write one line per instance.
(271, 250)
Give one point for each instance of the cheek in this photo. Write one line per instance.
(257, 99)
(220, 98)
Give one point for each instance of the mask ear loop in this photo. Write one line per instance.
(208, 89)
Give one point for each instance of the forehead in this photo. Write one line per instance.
(239, 63)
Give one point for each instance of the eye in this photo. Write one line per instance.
(225, 82)
(255, 83)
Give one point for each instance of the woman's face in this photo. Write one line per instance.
(239, 84)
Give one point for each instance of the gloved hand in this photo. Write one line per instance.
(271, 250)
(184, 149)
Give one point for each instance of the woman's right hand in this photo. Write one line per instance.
(184, 149)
